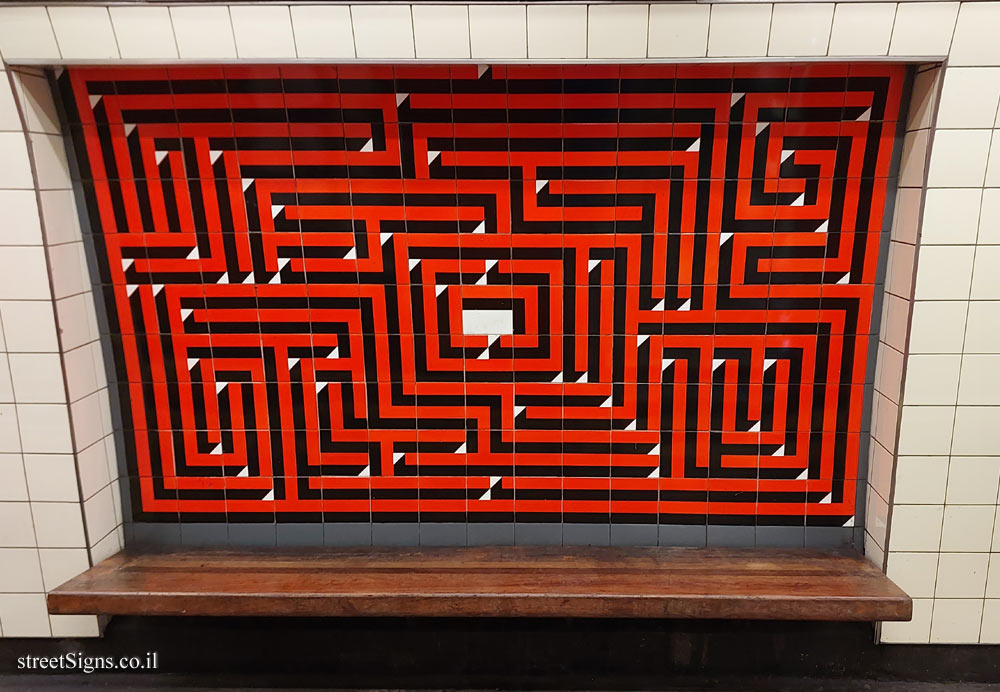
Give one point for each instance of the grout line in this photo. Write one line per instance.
(232, 30)
(55, 39)
(173, 32)
(354, 40)
(291, 25)
(114, 35)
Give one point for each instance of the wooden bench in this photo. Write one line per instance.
(761, 584)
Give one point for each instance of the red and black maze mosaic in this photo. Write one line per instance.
(633, 294)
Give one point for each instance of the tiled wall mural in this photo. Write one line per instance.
(573, 303)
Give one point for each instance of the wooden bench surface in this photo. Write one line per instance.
(761, 584)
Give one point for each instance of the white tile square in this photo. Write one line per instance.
(29, 326)
(24, 615)
(739, 30)
(106, 547)
(44, 428)
(985, 277)
(914, 158)
(862, 28)
(10, 437)
(10, 119)
(37, 378)
(498, 31)
(977, 430)
(83, 33)
(980, 379)
(77, 320)
(21, 572)
(203, 32)
(60, 215)
(16, 529)
(961, 575)
(916, 631)
(956, 620)
(556, 31)
(937, 326)
(975, 39)
(51, 478)
(958, 157)
(58, 524)
(895, 319)
(876, 517)
(442, 31)
(75, 626)
(800, 28)
(15, 174)
(993, 578)
(51, 167)
(13, 486)
(323, 31)
(973, 480)
(81, 376)
(990, 633)
(923, 100)
(36, 100)
(951, 216)
(6, 385)
(617, 31)
(21, 221)
(144, 32)
(923, 29)
(24, 274)
(969, 97)
(873, 551)
(382, 31)
(880, 469)
(989, 217)
(926, 430)
(92, 463)
(26, 34)
(932, 379)
(899, 272)
(263, 31)
(920, 480)
(967, 528)
(982, 334)
(59, 565)
(993, 162)
(916, 528)
(99, 513)
(944, 272)
(886, 417)
(69, 270)
(914, 573)
(678, 31)
(889, 373)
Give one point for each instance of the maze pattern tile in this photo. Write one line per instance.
(636, 294)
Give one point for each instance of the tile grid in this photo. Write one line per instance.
(961, 31)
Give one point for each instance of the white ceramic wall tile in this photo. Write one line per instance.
(26, 33)
(15, 174)
(23, 274)
(989, 217)
(739, 30)
(969, 97)
(35, 97)
(262, 31)
(977, 430)
(51, 478)
(951, 216)
(985, 277)
(990, 632)
(10, 118)
(58, 524)
(617, 31)
(862, 28)
(914, 573)
(961, 575)
(973, 480)
(76, 325)
(921, 480)
(944, 272)
(16, 528)
(899, 272)
(498, 31)
(923, 28)
(21, 572)
(75, 626)
(993, 162)
(22, 225)
(967, 528)
(323, 31)
(106, 547)
(876, 518)
(923, 99)
(143, 32)
(83, 32)
(442, 31)
(382, 31)
(916, 631)
(889, 372)
(37, 378)
(51, 167)
(24, 615)
(895, 316)
(980, 380)
(800, 29)
(203, 32)
(982, 335)
(884, 422)
(60, 215)
(556, 31)
(678, 31)
(916, 528)
(937, 326)
(958, 158)
(93, 469)
(925, 429)
(932, 379)
(10, 436)
(13, 486)
(975, 40)
(914, 158)
(956, 620)
(6, 385)
(44, 428)
(880, 469)
(30, 326)
(59, 565)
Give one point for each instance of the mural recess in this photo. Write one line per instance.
(578, 294)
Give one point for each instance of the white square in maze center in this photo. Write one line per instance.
(488, 321)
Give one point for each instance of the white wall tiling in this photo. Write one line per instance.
(934, 475)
